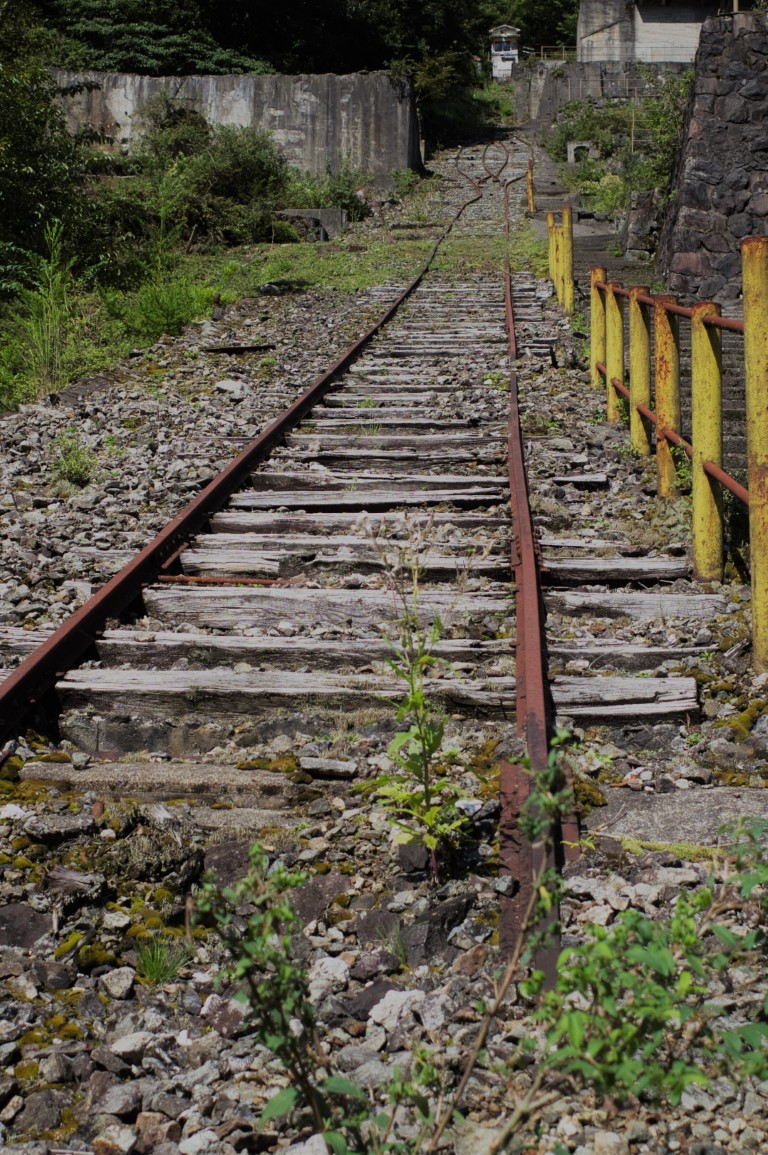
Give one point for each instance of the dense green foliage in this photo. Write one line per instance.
(637, 143)
(165, 36)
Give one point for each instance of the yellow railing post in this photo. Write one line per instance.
(530, 189)
(639, 369)
(666, 339)
(559, 263)
(551, 239)
(568, 286)
(614, 348)
(597, 327)
(755, 292)
(707, 436)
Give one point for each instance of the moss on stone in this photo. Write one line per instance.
(68, 944)
(688, 851)
(10, 769)
(285, 764)
(741, 725)
(37, 1037)
(588, 795)
(95, 955)
(26, 1070)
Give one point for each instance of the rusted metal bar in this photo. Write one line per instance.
(731, 324)
(519, 858)
(620, 387)
(726, 481)
(648, 414)
(676, 439)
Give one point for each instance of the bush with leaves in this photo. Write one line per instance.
(275, 990)
(633, 1009)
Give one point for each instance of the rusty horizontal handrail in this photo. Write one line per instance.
(726, 481)
(676, 439)
(731, 324)
(648, 413)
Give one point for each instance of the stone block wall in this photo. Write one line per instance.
(721, 181)
(368, 118)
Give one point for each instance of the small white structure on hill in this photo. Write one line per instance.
(505, 50)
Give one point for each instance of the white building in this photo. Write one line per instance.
(505, 50)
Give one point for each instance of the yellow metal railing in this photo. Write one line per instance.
(652, 324)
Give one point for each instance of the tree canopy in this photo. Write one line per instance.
(196, 36)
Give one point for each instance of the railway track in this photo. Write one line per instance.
(266, 612)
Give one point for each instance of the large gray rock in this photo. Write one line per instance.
(21, 925)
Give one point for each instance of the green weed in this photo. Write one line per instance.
(74, 462)
(159, 960)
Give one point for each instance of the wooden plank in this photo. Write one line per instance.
(174, 693)
(395, 524)
(164, 647)
(328, 424)
(179, 692)
(190, 780)
(577, 543)
(582, 480)
(354, 544)
(230, 607)
(365, 499)
(577, 570)
(16, 642)
(329, 482)
(420, 441)
(233, 561)
(619, 697)
(390, 462)
(641, 606)
(618, 655)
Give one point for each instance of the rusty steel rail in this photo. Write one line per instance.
(523, 861)
(36, 676)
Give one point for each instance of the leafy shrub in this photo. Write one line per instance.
(74, 463)
(162, 306)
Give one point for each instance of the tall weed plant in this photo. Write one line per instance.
(37, 350)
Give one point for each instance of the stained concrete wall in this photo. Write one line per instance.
(613, 30)
(541, 89)
(366, 117)
(721, 180)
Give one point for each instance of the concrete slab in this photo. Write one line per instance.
(684, 816)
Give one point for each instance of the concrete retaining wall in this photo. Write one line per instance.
(541, 89)
(366, 117)
(616, 30)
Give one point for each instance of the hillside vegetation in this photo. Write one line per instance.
(100, 251)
